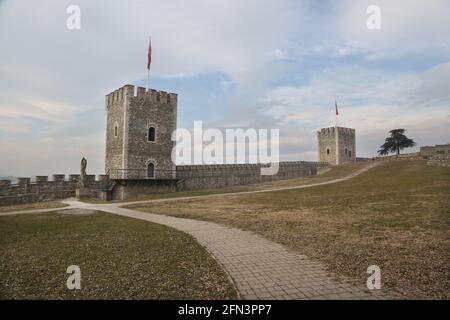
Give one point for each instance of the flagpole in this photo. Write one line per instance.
(336, 137)
(335, 113)
(148, 79)
(149, 57)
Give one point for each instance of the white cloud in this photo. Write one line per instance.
(372, 103)
(277, 55)
(406, 26)
(53, 81)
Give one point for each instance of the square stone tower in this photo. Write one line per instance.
(336, 145)
(138, 133)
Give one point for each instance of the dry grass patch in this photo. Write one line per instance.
(33, 206)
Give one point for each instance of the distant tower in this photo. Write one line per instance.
(336, 145)
(138, 133)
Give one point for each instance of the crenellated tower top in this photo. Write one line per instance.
(140, 93)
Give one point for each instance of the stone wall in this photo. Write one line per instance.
(326, 140)
(115, 126)
(133, 111)
(42, 189)
(336, 152)
(403, 156)
(346, 145)
(437, 150)
(196, 177)
(126, 189)
(439, 161)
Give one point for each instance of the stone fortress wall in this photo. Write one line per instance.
(197, 177)
(188, 177)
(206, 177)
(440, 150)
(438, 155)
(43, 189)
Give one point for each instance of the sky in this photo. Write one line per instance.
(234, 64)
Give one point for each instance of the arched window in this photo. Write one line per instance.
(151, 134)
(346, 151)
(349, 153)
(150, 170)
(328, 151)
(116, 130)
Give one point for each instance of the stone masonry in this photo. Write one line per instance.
(336, 145)
(129, 149)
(195, 177)
(42, 189)
(440, 150)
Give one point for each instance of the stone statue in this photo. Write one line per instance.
(83, 173)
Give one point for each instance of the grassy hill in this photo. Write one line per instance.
(396, 216)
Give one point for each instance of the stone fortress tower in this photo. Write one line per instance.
(336, 145)
(138, 134)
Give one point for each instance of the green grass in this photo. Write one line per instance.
(396, 215)
(120, 258)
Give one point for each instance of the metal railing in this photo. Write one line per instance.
(140, 174)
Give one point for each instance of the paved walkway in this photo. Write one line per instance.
(260, 269)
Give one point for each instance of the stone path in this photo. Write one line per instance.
(260, 268)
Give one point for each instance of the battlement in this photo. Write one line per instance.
(43, 189)
(197, 177)
(136, 92)
(331, 131)
(336, 145)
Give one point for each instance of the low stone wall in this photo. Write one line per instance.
(187, 178)
(404, 156)
(125, 189)
(196, 177)
(42, 189)
(439, 150)
(439, 161)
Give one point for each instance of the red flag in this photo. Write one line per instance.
(336, 106)
(149, 60)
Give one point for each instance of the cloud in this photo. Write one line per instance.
(371, 102)
(406, 26)
(278, 64)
